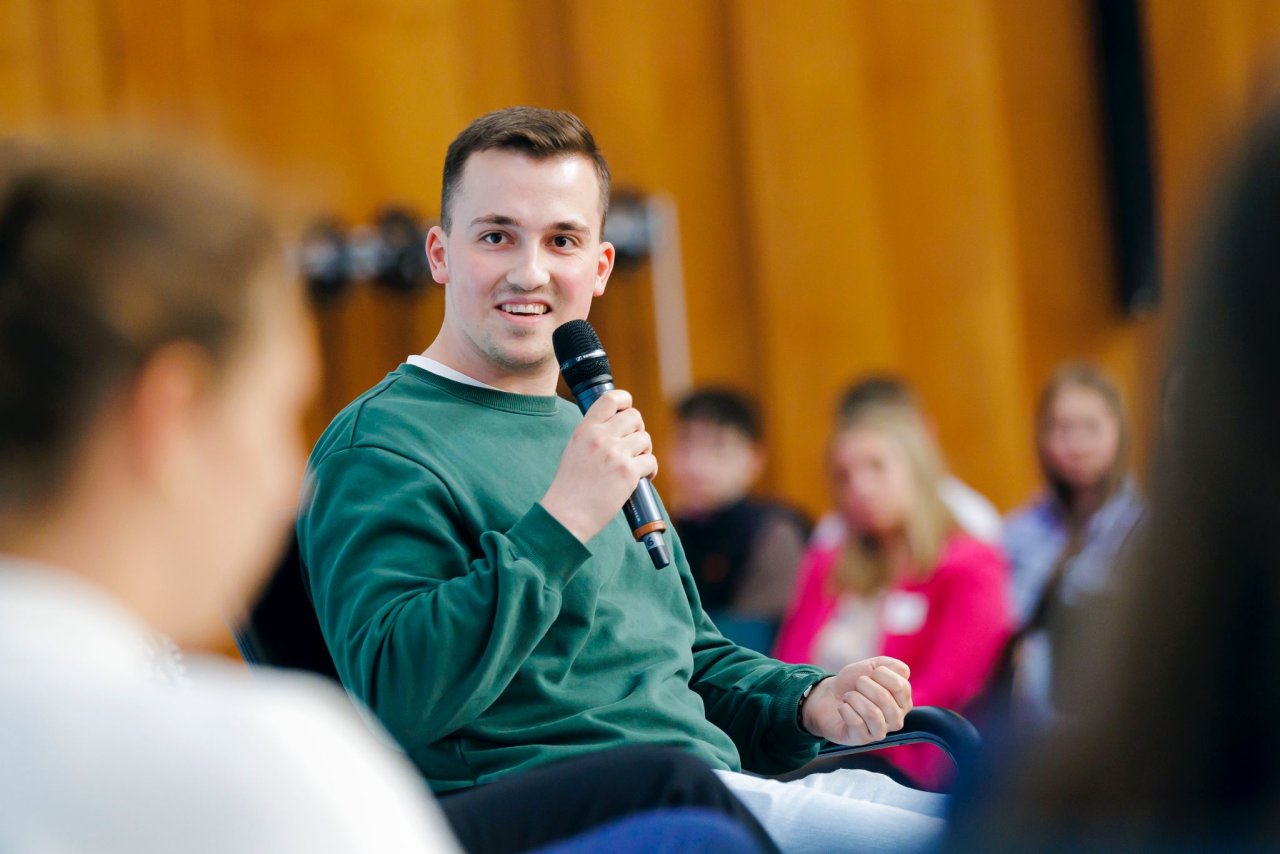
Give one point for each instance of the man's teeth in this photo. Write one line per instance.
(524, 309)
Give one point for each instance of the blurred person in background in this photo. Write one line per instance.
(155, 359)
(1177, 746)
(742, 551)
(905, 581)
(1064, 545)
(971, 510)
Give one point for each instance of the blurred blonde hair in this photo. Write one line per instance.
(862, 566)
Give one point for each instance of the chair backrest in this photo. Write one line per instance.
(934, 725)
(281, 629)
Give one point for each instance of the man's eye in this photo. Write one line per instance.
(493, 238)
(563, 241)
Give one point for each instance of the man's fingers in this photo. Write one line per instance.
(893, 664)
(896, 685)
(856, 729)
(608, 404)
(868, 712)
(638, 443)
(879, 696)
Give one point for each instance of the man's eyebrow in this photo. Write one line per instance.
(494, 219)
(571, 226)
(568, 225)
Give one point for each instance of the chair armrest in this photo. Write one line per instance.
(934, 725)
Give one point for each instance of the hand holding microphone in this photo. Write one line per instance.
(609, 457)
(608, 453)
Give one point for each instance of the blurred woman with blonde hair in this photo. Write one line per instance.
(905, 581)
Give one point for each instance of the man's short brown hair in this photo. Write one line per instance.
(109, 250)
(533, 131)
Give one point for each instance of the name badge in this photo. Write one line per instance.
(904, 613)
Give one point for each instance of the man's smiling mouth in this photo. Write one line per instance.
(525, 308)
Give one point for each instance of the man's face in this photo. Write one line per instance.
(523, 256)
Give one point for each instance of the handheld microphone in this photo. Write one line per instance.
(586, 371)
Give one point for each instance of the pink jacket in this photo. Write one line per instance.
(951, 651)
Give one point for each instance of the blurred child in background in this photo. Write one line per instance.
(1064, 544)
(905, 580)
(743, 550)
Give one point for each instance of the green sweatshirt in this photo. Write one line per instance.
(482, 633)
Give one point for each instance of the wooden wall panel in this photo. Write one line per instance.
(815, 238)
(944, 205)
(861, 184)
(1060, 226)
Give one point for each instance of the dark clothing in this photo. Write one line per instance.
(744, 556)
(531, 809)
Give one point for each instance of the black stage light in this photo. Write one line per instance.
(324, 259)
(401, 262)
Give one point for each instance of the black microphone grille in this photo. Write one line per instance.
(579, 352)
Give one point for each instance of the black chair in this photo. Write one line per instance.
(281, 630)
(942, 728)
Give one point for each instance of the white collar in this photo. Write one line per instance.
(443, 370)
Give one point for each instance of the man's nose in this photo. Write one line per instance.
(530, 270)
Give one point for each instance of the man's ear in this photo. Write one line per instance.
(438, 255)
(604, 266)
(165, 405)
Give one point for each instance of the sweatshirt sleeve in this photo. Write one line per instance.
(423, 631)
(750, 696)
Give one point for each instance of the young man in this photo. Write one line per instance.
(743, 551)
(155, 360)
(468, 563)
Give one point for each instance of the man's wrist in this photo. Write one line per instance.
(808, 692)
(566, 517)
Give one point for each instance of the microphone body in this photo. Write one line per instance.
(586, 371)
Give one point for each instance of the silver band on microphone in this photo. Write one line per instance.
(594, 354)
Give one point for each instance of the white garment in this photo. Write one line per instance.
(852, 634)
(101, 755)
(972, 511)
(440, 369)
(845, 810)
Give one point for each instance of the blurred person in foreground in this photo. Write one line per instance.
(472, 573)
(154, 362)
(971, 510)
(1064, 545)
(743, 551)
(1177, 747)
(905, 580)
